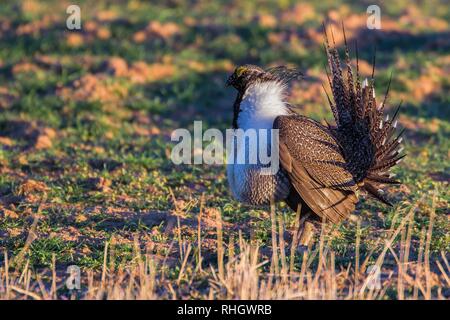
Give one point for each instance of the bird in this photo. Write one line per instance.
(323, 168)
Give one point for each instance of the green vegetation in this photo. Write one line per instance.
(86, 118)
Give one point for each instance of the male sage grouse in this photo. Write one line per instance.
(322, 168)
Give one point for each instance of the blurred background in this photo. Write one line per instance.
(86, 115)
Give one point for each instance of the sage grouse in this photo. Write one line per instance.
(322, 167)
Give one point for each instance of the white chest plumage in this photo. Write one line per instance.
(260, 105)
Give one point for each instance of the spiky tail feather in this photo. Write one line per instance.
(365, 134)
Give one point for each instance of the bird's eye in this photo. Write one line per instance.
(240, 71)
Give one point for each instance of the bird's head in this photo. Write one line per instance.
(244, 75)
(266, 87)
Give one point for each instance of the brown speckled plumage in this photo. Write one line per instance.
(327, 165)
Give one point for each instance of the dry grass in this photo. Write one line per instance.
(246, 275)
(85, 172)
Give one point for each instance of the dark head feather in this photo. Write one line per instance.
(247, 74)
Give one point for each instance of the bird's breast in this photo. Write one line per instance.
(250, 182)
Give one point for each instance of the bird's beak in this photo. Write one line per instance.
(229, 81)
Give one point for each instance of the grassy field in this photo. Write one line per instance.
(85, 174)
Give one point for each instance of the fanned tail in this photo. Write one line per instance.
(365, 134)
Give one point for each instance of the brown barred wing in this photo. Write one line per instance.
(311, 157)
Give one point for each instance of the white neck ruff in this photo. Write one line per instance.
(261, 104)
